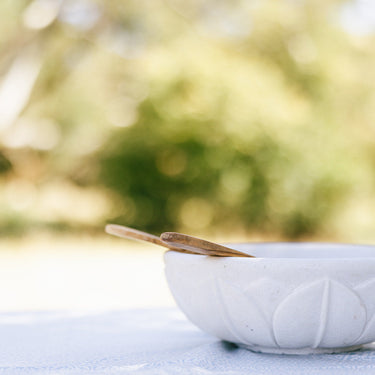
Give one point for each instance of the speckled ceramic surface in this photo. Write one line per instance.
(293, 298)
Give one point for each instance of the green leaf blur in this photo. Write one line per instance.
(216, 117)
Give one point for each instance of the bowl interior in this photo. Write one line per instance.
(305, 250)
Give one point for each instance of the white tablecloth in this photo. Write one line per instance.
(148, 342)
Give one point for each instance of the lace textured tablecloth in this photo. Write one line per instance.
(152, 342)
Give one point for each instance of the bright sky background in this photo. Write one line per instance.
(358, 17)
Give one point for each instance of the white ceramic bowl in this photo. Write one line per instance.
(294, 298)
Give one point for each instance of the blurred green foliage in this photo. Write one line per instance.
(200, 116)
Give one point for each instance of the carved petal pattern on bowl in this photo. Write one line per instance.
(243, 316)
(324, 313)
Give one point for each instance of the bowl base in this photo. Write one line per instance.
(301, 351)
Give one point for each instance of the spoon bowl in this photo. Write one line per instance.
(199, 246)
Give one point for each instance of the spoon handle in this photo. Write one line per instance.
(197, 245)
(134, 234)
(126, 232)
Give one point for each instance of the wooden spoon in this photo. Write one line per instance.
(176, 241)
(134, 234)
(199, 246)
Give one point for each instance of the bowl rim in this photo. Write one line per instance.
(332, 249)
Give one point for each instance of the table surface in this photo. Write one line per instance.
(147, 341)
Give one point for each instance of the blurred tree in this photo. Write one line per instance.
(194, 116)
